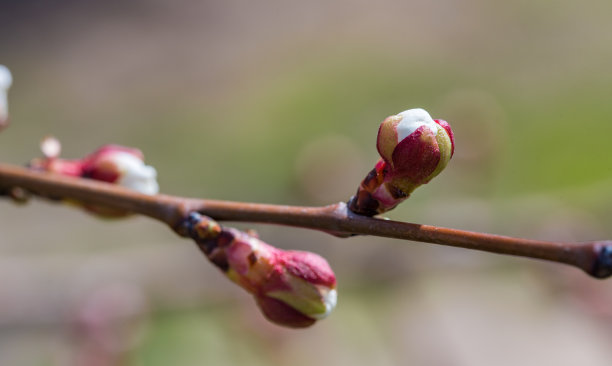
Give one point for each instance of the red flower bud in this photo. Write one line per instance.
(292, 288)
(123, 166)
(414, 148)
(110, 163)
(115, 164)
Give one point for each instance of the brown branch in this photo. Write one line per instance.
(595, 258)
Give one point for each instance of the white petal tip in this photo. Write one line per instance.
(135, 174)
(330, 299)
(6, 79)
(412, 119)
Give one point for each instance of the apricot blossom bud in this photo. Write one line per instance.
(292, 288)
(6, 79)
(114, 164)
(414, 148)
(123, 166)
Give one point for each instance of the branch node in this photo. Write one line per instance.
(602, 268)
(198, 227)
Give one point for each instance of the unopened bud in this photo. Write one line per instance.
(123, 166)
(292, 288)
(114, 164)
(414, 148)
(50, 147)
(6, 79)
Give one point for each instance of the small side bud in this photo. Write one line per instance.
(414, 148)
(50, 147)
(6, 80)
(292, 288)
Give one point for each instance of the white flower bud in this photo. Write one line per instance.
(6, 79)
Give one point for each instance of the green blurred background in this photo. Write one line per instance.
(279, 101)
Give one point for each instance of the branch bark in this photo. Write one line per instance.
(595, 258)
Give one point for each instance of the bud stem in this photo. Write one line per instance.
(595, 258)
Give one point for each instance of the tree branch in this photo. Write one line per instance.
(595, 258)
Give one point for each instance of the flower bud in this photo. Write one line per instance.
(292, 288)
(114, 164)
(414, 148)
(123, 166)
(6, 79)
